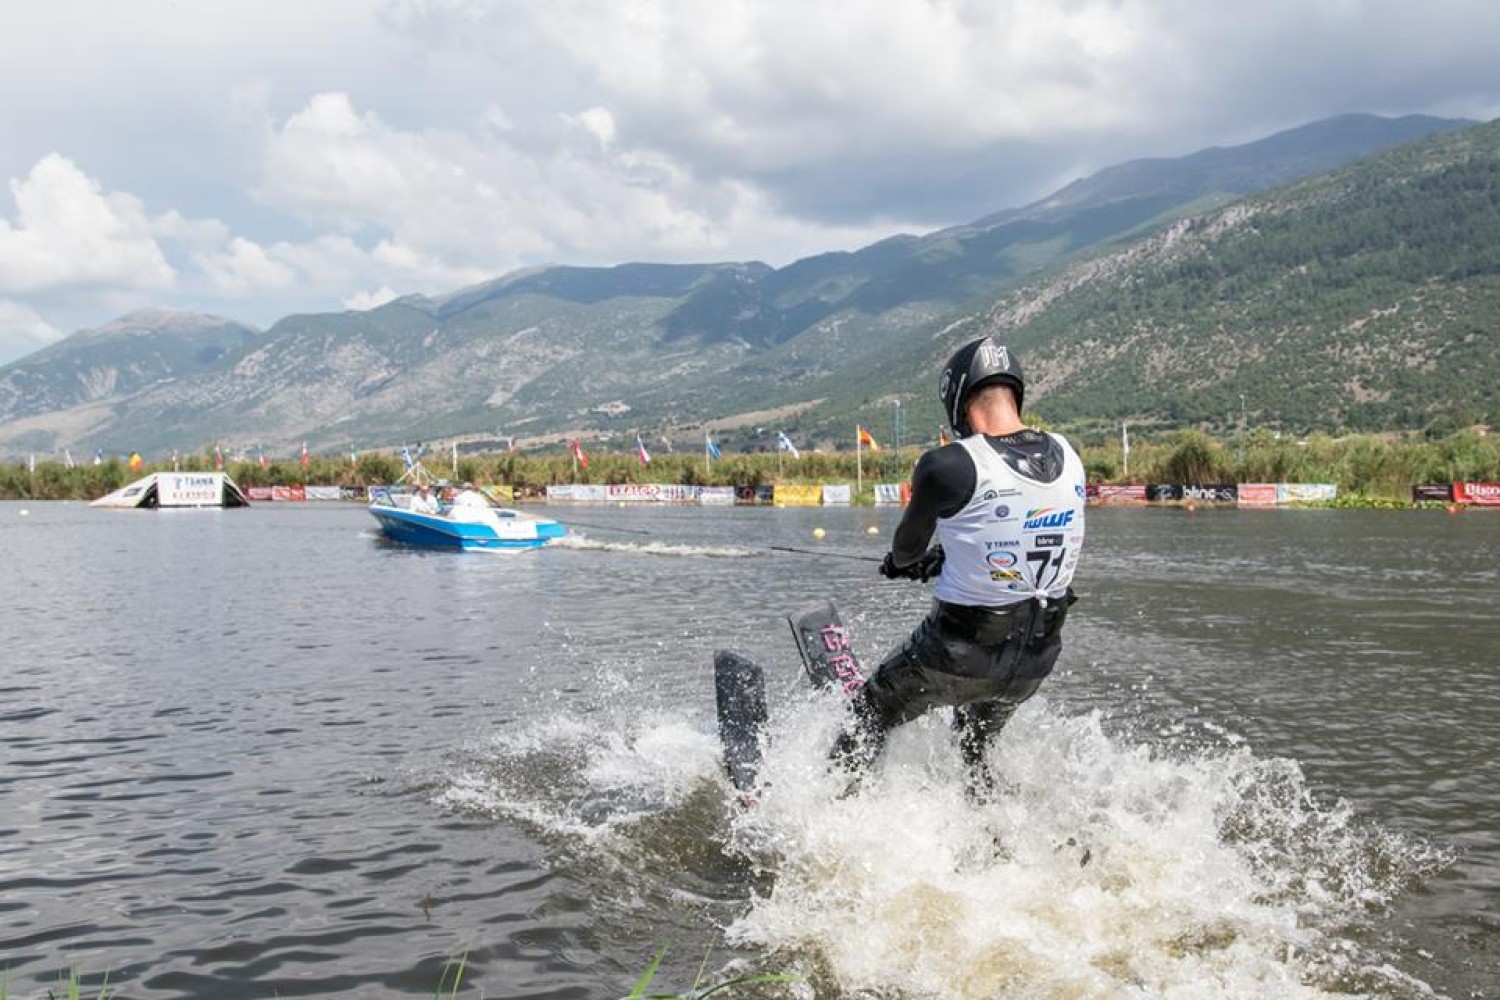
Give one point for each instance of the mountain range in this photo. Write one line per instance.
(1342, 274)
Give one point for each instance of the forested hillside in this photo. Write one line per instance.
(1368, 298)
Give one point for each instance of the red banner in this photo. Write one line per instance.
(1109, 493)
(1257, 494)
(1484, 494)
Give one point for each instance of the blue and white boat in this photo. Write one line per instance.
(467, 526)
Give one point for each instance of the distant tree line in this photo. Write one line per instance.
(1376, 465)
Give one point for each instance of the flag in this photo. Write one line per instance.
(865, 438)
(1125, 440)
(304, 458)
(667, 441)
(135, 461)
(68, 457)
(641, 452)
(174, 460)
(406, 457)
(263, 462)
(785, 444)
(711, 448)
(578, 454)
(218, 459)
(353, 456)
(98, 457)
(31, 464)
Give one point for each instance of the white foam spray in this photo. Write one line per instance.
(1103, 868)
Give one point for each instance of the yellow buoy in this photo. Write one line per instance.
(819, 532)
(872, 530)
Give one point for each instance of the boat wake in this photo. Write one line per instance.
(1102, 868)
(576, 541)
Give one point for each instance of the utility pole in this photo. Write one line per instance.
(1242, 429)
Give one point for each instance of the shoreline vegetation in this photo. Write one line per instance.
(1369, 470)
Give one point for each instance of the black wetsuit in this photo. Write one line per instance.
(983, 661)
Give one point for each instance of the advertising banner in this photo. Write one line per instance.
(1305, 492)
(799, 495)
(1432, 491)
(1218, 493)
(1484, 494)
(755, 494)
(574, 493)
(650, 493)
(504, 493)
(1109, 493)
(258, 494)
(1257, 494)
(352, 493)
(187, 489)
(324, 493)
(1162, 493)
(890, 494)
(837, 494)
(716, 496)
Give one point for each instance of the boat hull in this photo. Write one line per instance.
(504, 530)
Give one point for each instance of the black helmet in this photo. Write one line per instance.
(978, 363)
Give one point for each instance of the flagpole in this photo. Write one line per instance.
(859, 464)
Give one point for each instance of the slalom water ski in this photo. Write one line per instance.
(740, 686)
(827, 653)
(740, 689)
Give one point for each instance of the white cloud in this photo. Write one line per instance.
(69, 233)
(22, 331)
(365, 300)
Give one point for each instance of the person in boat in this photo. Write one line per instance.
(1006, 503)
(468, 498)
(422, 501)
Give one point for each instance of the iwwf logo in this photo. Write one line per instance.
(1047, 517)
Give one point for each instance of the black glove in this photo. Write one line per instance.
(923, 569)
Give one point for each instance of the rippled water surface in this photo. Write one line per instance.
(261, 753)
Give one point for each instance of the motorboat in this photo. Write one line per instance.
(470, 524)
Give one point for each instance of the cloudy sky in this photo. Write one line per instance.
(252, 159)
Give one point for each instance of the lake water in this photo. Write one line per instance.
(260, 753)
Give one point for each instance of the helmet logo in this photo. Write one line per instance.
(993, 355)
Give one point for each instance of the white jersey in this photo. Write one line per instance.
(1017, 538)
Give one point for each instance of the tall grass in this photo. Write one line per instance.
(1366, 464)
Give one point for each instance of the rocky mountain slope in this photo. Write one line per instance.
(825, 341)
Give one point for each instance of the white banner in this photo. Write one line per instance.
(836, 494)
(576, 493)
(1305, 492)
(887, 494)
(716, 496)
(189, 489)
(324, 493)
(650, 493)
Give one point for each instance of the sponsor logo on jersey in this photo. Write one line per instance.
(1005, 574)
(1049, 541)
(1048, 517)
(993, 494)
(1003, 513)
(1002, 543)
(1078, 488)
(1000, 559)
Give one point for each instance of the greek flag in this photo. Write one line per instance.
(711, 448)
(406, 457)
(785, 444)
